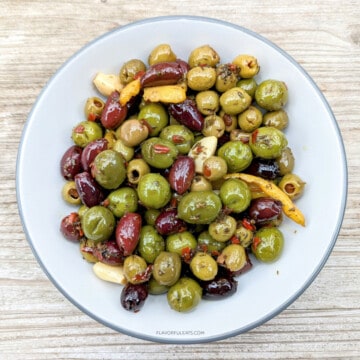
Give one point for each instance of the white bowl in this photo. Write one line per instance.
(263, 292)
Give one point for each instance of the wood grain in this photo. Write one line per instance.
(36, 321)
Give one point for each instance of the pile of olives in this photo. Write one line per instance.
(147, 177)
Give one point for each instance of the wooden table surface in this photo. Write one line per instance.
(36, 37)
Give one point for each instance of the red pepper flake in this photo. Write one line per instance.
(254, 136)
(161, 149)
(177, 139)
(186, 254)
(234, 240)
(79, 129)
(256, 242)
(207, 171)
(246, 223)
(92, 117)
(144, 276)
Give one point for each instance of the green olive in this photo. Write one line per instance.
(87, 250)
(207, 102)
(237, 155)
(155, 116)
(108, 169)
(245, 235)
(239, 135)
(230, 121)
(185, 295)
(226, 77)
(122, 200)
(204, 266)
(292, 185)
(125, 151)
(153, 191)
(132, 132)
(98, 223)
(159, 153)
(213, 126)
(250, 119)
(268, 244)
(233, 257)
(70, 193)
(285, 161)
(223, 228)
(235, 101)
(208, 244)
(136, 169)
(155, 288)
(200, 183)
(130, 69)
(151, 243)
(180, 136)
(247, 64)
(277, 118)
(180, 241)
(249, 85)
(201, 78)
(271, 94)
(93, 108)
(134, 268)
(214, 168)
(110, 136)
(167, 268)
(161, 53)
(235, 195)
(203, 55)
(86, 132)
(151, 215)
(200, 207)
(267, 142)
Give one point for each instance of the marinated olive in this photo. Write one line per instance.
(93, 108)
(235, 100)
(132, 132)
(155, 288)
(207, 102)
(125, 151)
(247, 64)
(136, 169)
(159, 153)
(108, 169)
(268, 244)
(133, 296)
(127, 232)
(70, 194)
(221, 286)
(156, 117)
(200, 207)
(237, 155)
(265, 168)
(180, 242)
(151, 215)
(235, 195)
(278, 119)
(230, 121)
(249, 85)
(203, 55)
(134, 269)
(233, 258)
(223, 228)
(90, 152)
(244, 234)
(168, 222)
(204, 266)
(200, 183)
(108, 252)
(181, 174)
(98, 223)
(122, 200)
(271, 94)
(285, 161)
(185, 295)
(226, 77)
(153, 191)
(262, 210)
(130, 69)
(267, 142)
(213, 126)
(161, 53)
(200, 78)
(71, 227)
(70, 163)
(87, 250)
(85, 132)
(180, 136)
(89, 190)
(292, 185)
(214, 168)
(151, 243)
(207, 243)
(167, 268)
(250, 119)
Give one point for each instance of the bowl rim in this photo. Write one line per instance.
(295, 295)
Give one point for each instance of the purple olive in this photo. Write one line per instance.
(133, 296)
(220, 287)
(70, 227)
(265, 168)
(264, 209)
(181, 174)
(108, 252)
(168, 223)
(91, 150)
(70, 163)
(187, 114)
(89, 190)
(113, 113)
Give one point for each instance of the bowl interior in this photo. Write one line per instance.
(263, 292)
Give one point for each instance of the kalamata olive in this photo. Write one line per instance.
(70, 227)
(265, 168)
(133, 296)
(108, 252)
(89, 190)
(220, 287)
(181, 174)
(127, 232)
(264, 209)
(168, 222)
(187, 114)
(113, 114)
(91, 150)
(70, 163)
